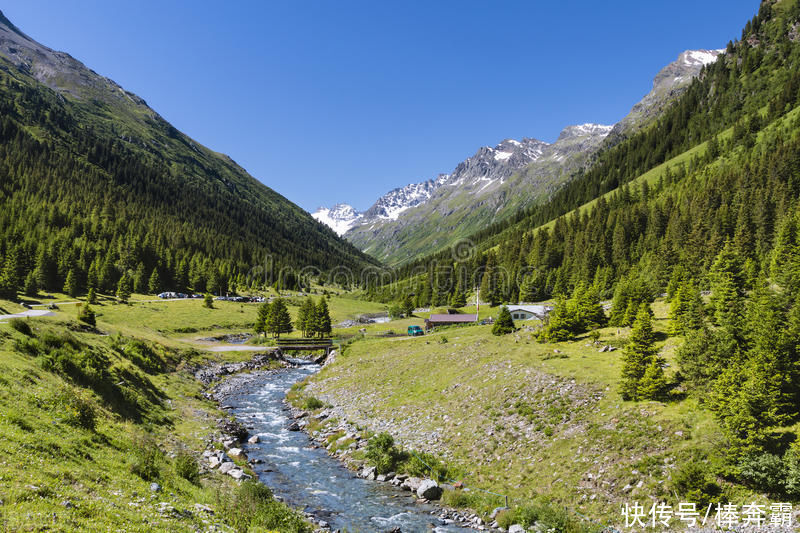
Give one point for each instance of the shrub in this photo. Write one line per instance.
(146, 459)
(186, 467)
(21, 325)
(382, 453)
(31, 347)
(251, 507)
(142, 355)
(312, 403)
(208, 301)
(692, 483)
(504, 324)
(87, 315)
(75, 408)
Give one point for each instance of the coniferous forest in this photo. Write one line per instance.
(92, 196)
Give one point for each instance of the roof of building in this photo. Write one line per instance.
(453, 318)
(535, 309)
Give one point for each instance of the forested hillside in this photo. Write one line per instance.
(96, 187)
(731, 146)
(701, 209)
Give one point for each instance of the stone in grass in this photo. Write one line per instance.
(226, 467)
(429, 490)
(238, 474)
(236, 452)
(516, 528)
(155, 487)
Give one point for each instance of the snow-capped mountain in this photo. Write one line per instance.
(498, 181)
(339, 218)
(489, 166)
(668, 84)
(390, 205)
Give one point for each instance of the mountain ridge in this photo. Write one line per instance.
(475, 194)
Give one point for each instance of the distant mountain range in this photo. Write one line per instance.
(497, 182)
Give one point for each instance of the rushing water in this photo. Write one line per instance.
(308, 478)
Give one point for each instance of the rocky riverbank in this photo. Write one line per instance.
(343, 440)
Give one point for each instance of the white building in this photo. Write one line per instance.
(529, 312)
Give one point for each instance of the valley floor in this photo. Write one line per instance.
(526, 419)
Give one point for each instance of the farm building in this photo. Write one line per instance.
(529, 312)
(449, 319)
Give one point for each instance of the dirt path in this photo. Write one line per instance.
(25, 314)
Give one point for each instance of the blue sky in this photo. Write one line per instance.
(341, 101)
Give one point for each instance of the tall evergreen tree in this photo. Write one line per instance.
(262, 318)
(124, 287)
(279, 321)
(322, 321)
(637, 355)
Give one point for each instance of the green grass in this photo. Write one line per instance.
(80, 447)
(525, 419)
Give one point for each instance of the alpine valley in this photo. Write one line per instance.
(551, 337)
(496, 183)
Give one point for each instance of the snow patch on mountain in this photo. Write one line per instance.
(339, 218)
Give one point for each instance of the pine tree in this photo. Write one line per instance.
(408, 306)
(262, 318)
(489, 288)
(154, 283)
(686, 311)
(31, 285)
(208, 301)
(323, 318)
(124, 288)
(91, 297)
(458, 299)
(87, 315)
(279, 321)
(653, 385)
(503, 324)
(529, 291)
(305, 316)
(637, 355)
(140, 279)
(71, 284)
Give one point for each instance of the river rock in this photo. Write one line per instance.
(253, 439)
(237, 474)
(294, 426)
(412, 484)
(236, 452)
(516, 528)
(429, 490)
(226, 467)
(368, 472)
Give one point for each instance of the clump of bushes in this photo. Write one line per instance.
(382, 453)
(87, 315)
(251, 507)
(142, 355)
(312, 403)
(21, 325)
(693, 482)
(74, 407)
(146, 459)
(186, 467)
(28, 346)
(548, 517)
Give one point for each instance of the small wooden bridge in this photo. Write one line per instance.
(306, 345)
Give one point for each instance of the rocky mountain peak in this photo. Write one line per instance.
(584, 130)
(682, 70)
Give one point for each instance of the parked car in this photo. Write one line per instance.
(415, 331)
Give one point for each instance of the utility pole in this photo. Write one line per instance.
(477, 302)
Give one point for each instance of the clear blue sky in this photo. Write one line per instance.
(340, 101)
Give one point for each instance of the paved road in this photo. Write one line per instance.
(24, 314)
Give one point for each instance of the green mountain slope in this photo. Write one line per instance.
(729, 108)
(98, 184)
